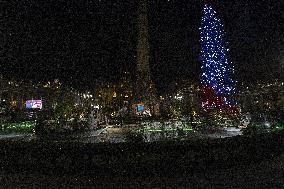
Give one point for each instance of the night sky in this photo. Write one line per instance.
(84, 41)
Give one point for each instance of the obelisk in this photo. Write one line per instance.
(145, 89)
(143, 69)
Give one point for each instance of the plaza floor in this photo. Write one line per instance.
(115, 134)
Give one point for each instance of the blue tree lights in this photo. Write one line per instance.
(217, 70)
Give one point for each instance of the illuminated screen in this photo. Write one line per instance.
(140, 107)
(34, 104)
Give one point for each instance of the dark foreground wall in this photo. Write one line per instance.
(137, 158)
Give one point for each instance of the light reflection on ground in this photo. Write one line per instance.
(112, 134)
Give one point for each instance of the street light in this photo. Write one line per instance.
(178, 97)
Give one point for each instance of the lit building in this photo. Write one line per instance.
(263, 99)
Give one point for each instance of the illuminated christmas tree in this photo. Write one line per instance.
(218, 85)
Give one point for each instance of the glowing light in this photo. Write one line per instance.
(22, 125)
(97, 107)
(178, 96)
(218, 85)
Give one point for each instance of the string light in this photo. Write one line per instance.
(217, 70)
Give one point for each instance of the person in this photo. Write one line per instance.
(121, 115)
(39, 127)
(180, 132)
(76, 124)
(106, 120)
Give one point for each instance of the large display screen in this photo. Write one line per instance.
(140, 107)
(34, 104)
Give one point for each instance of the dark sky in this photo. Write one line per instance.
(82, 41)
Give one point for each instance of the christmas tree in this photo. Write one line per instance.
(218, 85)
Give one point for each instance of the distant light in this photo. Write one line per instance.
(267, 124)
(178, 96)
(97, 107)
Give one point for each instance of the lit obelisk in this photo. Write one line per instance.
(143, 69)
(145, 90)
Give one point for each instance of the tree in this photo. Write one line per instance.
(64, 109)
(217, 83)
